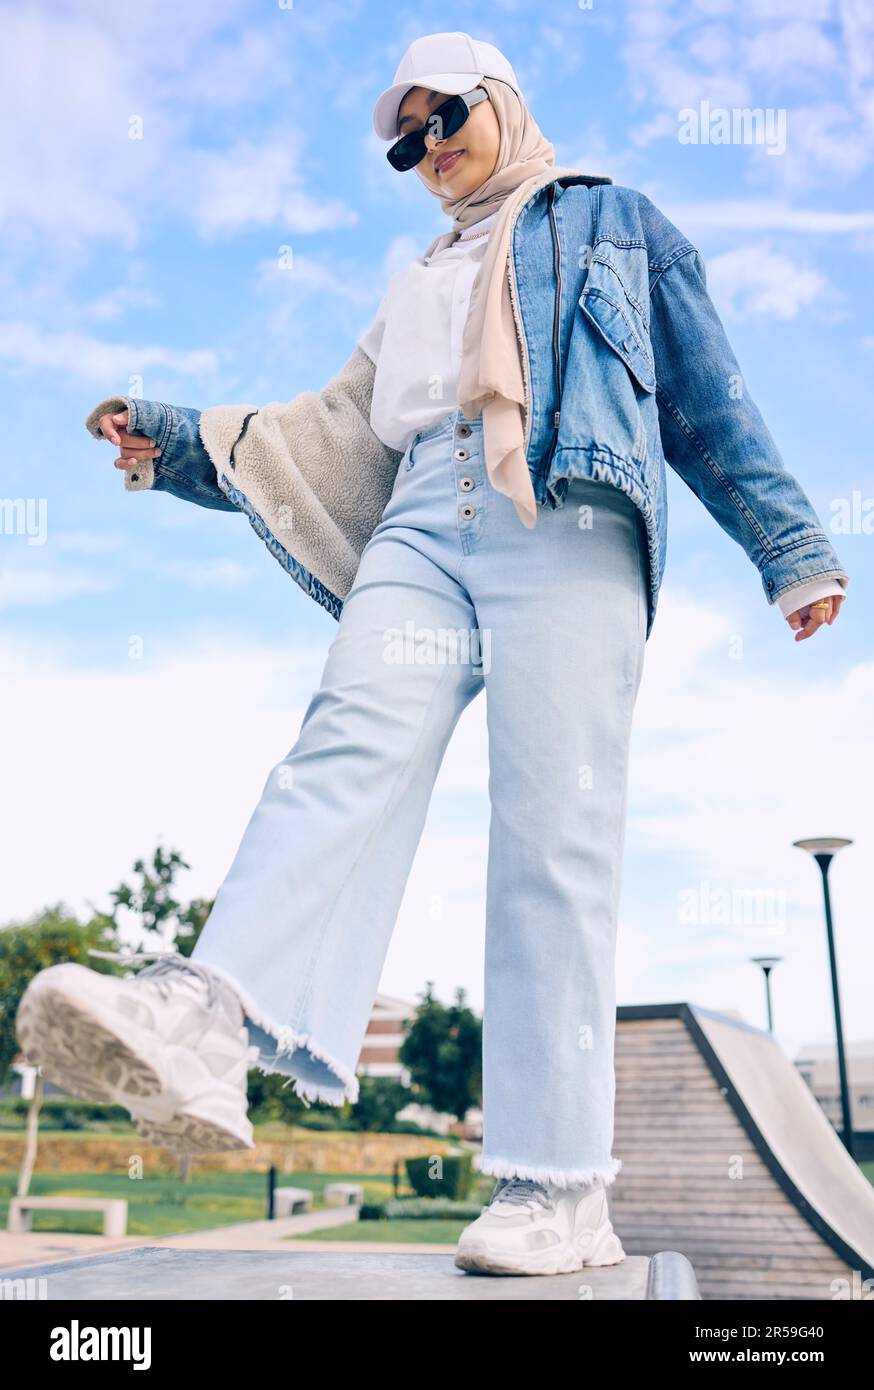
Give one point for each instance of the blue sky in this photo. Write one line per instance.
(156, 263)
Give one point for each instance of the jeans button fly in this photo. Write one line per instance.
(467, 511)
(463, 431)
(466, 484)
(462, 454)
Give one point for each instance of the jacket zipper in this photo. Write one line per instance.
(556, 324)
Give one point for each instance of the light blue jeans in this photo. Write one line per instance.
(453, 595)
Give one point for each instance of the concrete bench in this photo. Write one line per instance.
(288, 1201)
(114, 1210)
(344, 1194)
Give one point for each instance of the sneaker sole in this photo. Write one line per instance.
(187, 1133)
(477, 1259)
(81, 1054)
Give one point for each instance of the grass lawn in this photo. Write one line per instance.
(399, 1232)
(165, 1206)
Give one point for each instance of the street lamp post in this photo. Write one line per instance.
(823, 851)
(767, 963)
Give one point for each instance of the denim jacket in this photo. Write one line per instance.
(626, 366)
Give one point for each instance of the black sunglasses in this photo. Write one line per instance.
(443, 121)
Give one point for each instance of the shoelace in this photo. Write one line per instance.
(167, 962)
(520, 1190)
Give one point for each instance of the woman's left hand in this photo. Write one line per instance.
(809, 619)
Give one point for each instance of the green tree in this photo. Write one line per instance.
(443, 1054)
(379, 1100)
(165, 923)
(47, 938)
(271, 1099)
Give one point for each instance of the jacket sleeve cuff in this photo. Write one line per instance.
(144, 417)
(814, 558)
(800, 594)
(110, 406)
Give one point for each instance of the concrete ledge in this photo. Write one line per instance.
(671, 1276)
(161, 1273)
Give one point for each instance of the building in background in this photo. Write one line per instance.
(818, 1065)
(379, 1057)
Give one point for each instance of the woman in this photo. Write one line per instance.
(491, 516)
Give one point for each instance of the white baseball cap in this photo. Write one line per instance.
(451, 63)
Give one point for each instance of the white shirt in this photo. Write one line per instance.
(415, 342)
(415, 339)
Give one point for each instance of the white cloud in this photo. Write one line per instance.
(593, 153)
(732, 761)
(399, 252)
(112, 303)
(644, 132)
(208, 574)
(73, 88)
(119, 757)
(802, 47)
(751, 214)
(810, 59)
(328, 286)
(94, 360)
(116, 756)
(756, 281)
(310, 298)
(827, 143)
(27, 587)
(255, 184)
(305, 277)
(88, 542)
(741, 785)
(440, 931)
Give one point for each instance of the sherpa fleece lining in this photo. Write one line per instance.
(312, 468)
(135, 480)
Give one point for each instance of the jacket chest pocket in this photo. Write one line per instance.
(617, 315)
(613, 374)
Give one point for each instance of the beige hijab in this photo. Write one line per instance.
(491, 379)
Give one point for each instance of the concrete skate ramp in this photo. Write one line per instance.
(700, 1095)
(801, 1141)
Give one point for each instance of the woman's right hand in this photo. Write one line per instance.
(134, 447)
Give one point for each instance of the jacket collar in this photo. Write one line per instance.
(550, 176)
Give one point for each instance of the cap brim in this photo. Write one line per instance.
(385, 113)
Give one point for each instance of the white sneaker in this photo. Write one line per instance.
(169, 1044)
(537, 1228)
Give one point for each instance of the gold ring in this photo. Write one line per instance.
(824, 603)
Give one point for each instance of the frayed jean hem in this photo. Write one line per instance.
(285, 1051)
(558, 1177)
